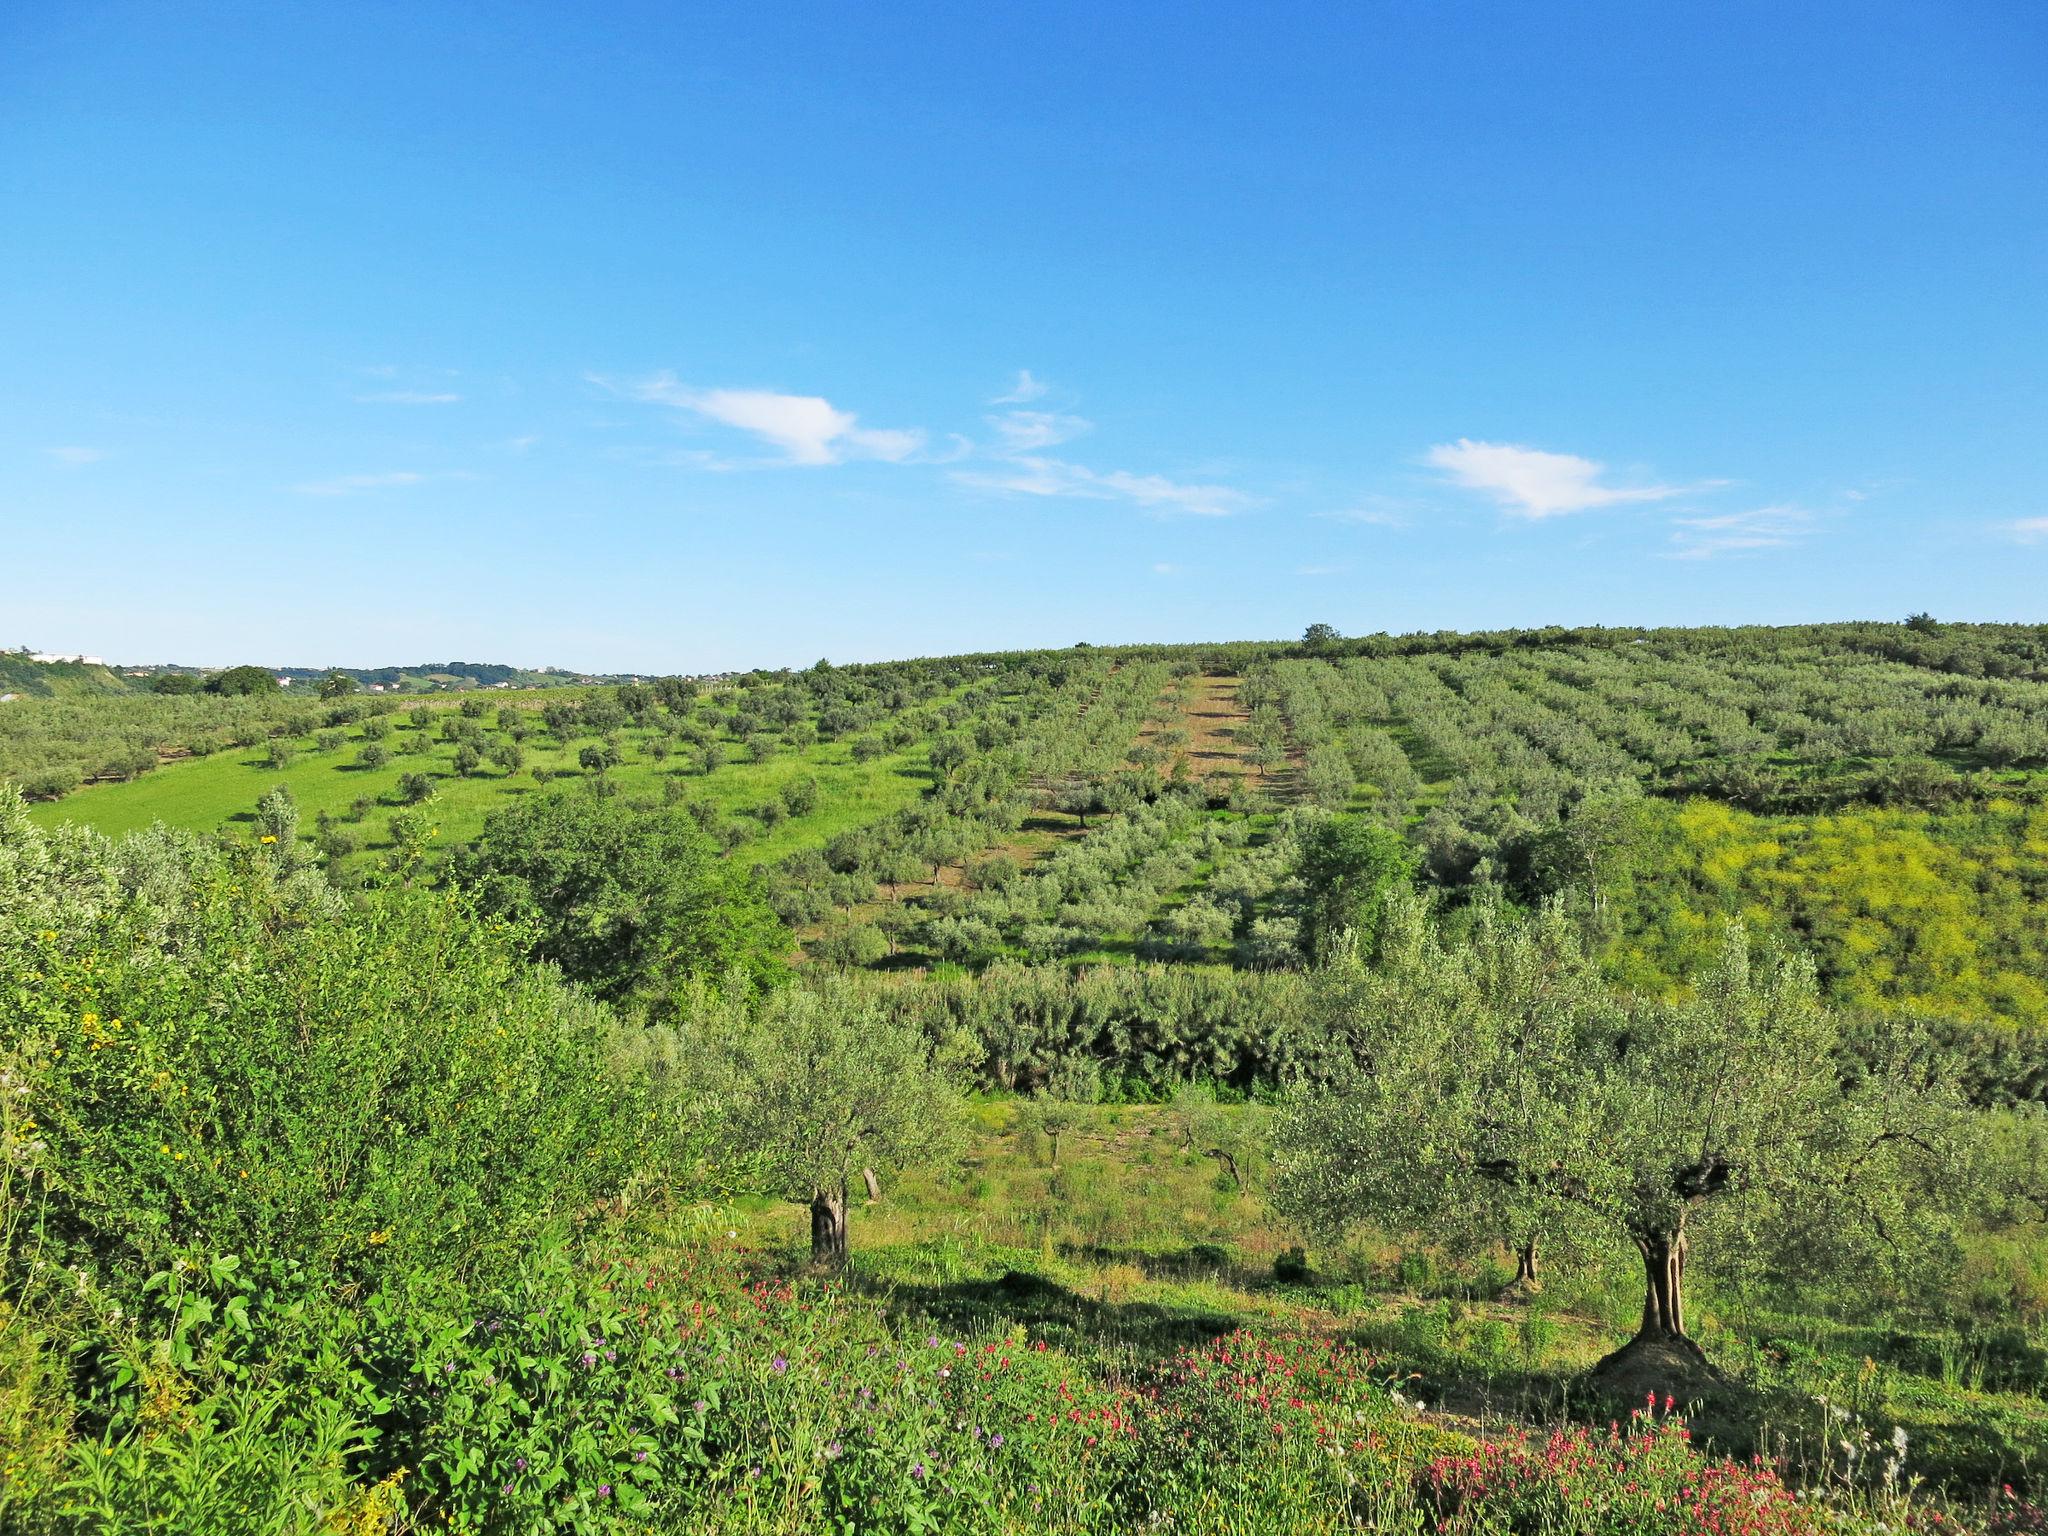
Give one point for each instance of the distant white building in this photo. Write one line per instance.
(83, 661)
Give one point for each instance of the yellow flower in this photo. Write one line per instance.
(379, 1239)
(266, 838)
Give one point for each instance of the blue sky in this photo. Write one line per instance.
(646, 337)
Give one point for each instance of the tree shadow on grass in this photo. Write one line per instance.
(1198, 1261)
(1047, 1309)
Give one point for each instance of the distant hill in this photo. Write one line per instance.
(431, 675)
(24, 676)
(29, 674)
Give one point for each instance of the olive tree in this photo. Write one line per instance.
(811, 1087)
(1498, 1086)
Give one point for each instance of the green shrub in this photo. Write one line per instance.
(228, 1060)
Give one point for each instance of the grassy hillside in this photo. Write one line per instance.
(325, 775)
(329, 1201)
(59, 679)
(1874, 792)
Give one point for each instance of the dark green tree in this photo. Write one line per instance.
(1348, 869)
(242, 680)
(630, 903)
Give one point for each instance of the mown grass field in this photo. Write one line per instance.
(219, 791)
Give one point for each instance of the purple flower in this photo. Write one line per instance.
(832, 1451)
(779, 1366)
(995, 1442)
(519, 1465)
(932, 1342)
(639, 1455)
(589, 1359)
(700, 1405)
(917, 1470)
(448, 1369)
(604, 1490)
(611, 1354)
(506, 1489)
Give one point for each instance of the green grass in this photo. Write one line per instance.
(1135, 1244)
(219, 791)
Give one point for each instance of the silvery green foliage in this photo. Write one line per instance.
(810, 1085)
(65, 878)
(1498, 1086)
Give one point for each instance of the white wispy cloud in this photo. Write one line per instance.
(1728, 533)
(1033, 475)
(409, 397)
(1375, 516)
(2028, 530)
(349, 485)
(1532, 483)
(75, 456)
(805, 429)
(1024, 391)
(1029, 431)
(1167, 568)
(1019, 466)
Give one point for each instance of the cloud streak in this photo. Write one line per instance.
(2028, 530)
(1029, 431)
(1034, 475)
(1532, 483)
(73, 457)
(1023, 392)
(350, 485)
(409, 397)
(1020, 466)
(806, 430)
(1730, 533)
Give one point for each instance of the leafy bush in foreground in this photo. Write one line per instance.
(221, 1059)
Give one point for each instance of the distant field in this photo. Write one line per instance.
(1877, 793)
(222, 790)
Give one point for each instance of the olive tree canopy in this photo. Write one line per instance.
(809, 1087)
(1498, 1088)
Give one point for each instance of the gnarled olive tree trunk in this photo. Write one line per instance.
(1662, 1357)
(828, 1227)
(1663, 1283)
(1526, 1277)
